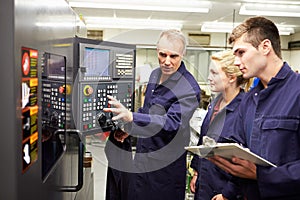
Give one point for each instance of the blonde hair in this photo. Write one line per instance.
(226, 60)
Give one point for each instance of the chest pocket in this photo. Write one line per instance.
(280, 140)
(285, 124)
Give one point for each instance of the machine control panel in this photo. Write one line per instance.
(54, 103)
(55, 90)
(55, 108)
(94, 100)
(103, 68)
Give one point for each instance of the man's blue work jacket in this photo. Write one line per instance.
(163, 130)
(269, 125)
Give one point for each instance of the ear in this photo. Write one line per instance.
(265, 46)
(232, 78)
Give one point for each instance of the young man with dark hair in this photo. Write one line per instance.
(269, 115)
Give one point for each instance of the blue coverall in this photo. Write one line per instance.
(163, 130)
(211, 179)
(269, 125)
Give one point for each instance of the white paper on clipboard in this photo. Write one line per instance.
(228, 150)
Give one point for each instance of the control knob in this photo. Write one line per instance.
(88, 90)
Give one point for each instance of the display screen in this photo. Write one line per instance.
(56, 65)
(96, 62)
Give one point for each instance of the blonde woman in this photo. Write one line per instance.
(227, 81)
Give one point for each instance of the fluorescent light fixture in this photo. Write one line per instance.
(285, 29)
(226, 27)
(217, 27)
(279, 10)
(146, 5)
(130, 23)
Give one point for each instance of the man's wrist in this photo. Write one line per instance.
(130, 116)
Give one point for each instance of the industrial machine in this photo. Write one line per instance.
(73, 99)
(54, 88)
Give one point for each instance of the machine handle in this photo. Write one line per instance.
(79, 185)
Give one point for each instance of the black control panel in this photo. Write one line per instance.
(54, 104)
(102, 68)
(55, 108)
(55, 89)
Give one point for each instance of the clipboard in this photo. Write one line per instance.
(228, 150)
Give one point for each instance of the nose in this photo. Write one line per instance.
(209, 77)
(168, 60)
(237, 61)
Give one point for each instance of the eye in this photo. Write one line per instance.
(162, 54)
(240, 53)
(174, 56)
(213, 72)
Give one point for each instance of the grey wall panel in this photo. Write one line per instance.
(7, 104)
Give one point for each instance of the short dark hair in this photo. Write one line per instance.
(257, 29)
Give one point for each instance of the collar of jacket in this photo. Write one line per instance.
(282, 74)
(234, 103)
(174, 77)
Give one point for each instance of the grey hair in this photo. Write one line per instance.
(173, 34)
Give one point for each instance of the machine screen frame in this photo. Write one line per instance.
(57, 73)
(95, 52)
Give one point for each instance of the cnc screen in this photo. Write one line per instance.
(96, 62)
(56, 65)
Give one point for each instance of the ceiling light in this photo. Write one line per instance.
(285, 29)
(130, 23)
(279, 10)
(226, 27)
(217, 27)
(146, 5)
